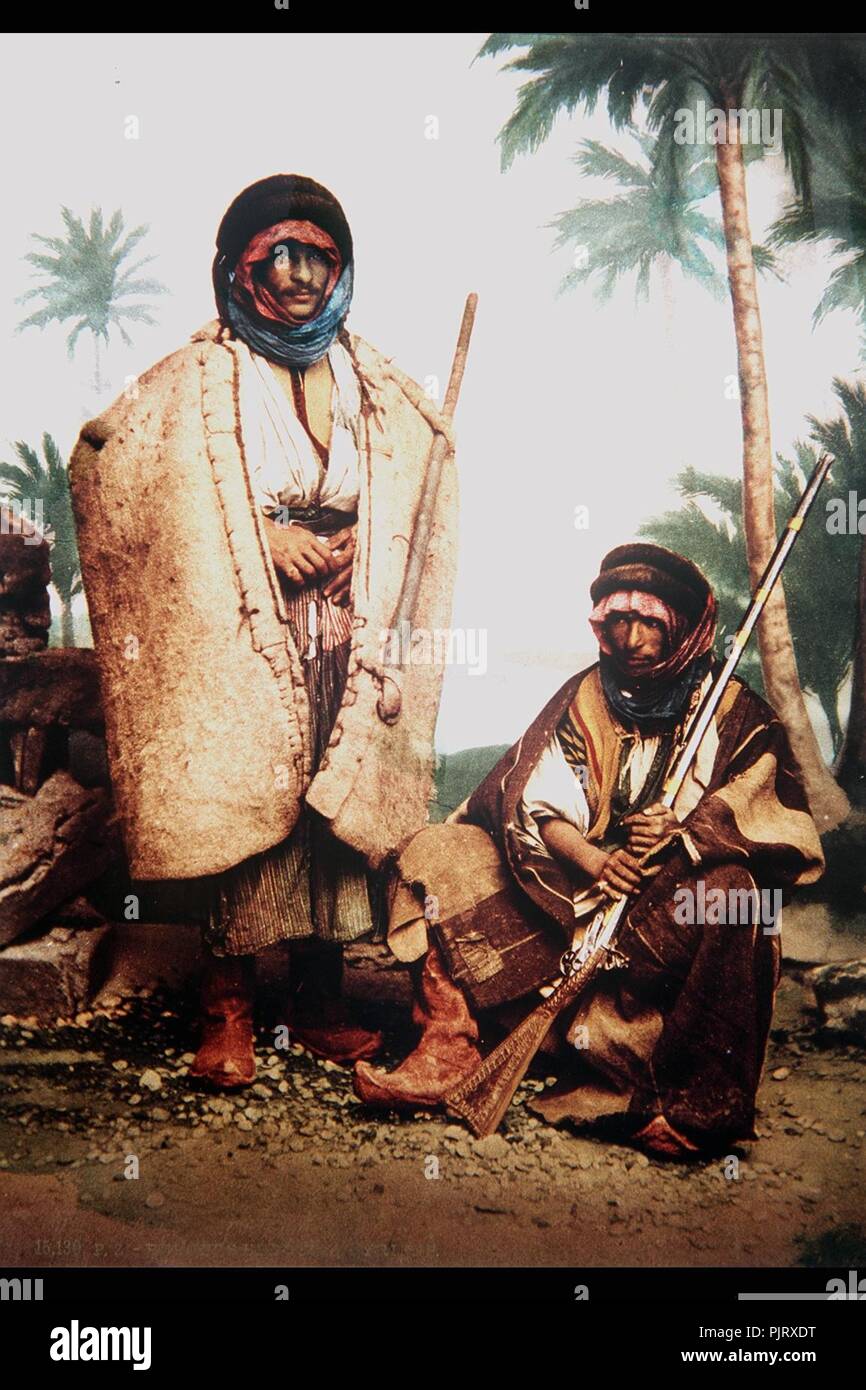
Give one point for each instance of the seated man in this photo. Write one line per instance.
(668, 1050)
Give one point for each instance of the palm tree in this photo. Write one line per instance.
(729, 73)
(851, 764)
(30, 481)
(820, 575)
(846, 439)
(85, 282)
(641, 227)
(835, 214)
(646, 225)
(718, 546)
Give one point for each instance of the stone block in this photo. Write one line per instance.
(840, 992)
(371, 974)
(813, 934)
(55, 975)
(56, 686)
(51, 845)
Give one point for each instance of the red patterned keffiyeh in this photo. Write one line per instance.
(657, 583)
(260, 248)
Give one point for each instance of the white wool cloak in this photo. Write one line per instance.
(202, 687)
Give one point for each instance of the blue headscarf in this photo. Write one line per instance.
(293, 345)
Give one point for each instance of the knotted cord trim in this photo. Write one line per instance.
(215, 382)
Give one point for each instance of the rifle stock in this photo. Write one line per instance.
(483, 1097)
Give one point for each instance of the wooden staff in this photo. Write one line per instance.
(390, 700)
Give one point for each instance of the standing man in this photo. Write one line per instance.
(667, 1050)
(245, 516)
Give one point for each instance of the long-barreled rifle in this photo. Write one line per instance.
(484, 1096)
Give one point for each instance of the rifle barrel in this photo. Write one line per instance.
(773, 569)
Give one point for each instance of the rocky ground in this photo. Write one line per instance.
(110, 1155)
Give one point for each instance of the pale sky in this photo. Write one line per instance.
(564, 404)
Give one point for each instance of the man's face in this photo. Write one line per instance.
(637, 641)
(297, 275)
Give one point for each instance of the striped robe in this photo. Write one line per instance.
(682, 1030)
(311, 883)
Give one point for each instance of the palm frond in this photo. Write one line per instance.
(85, 279)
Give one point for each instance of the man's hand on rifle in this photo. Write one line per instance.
(614, 873)
(647, 828)
(623, 874)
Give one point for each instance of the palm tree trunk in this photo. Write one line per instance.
(67, 624)
(667, 295)
(97, 375)
(829, 700)
(828, 803)
(852, 760)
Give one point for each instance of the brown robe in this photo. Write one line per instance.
(681, 1030)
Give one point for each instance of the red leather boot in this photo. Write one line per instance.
(445, 1053)
(226, 1056)
(319, 1018)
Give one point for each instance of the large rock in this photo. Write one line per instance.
(813, 934)
(57, 686)
(25, 571)
(56, 975)
(373, 975)
(51, 845)
(145, 955)
(840, 991)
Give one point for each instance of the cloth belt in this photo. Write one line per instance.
(322, 521)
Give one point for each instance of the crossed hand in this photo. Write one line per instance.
(301, 556)
(623, 873)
